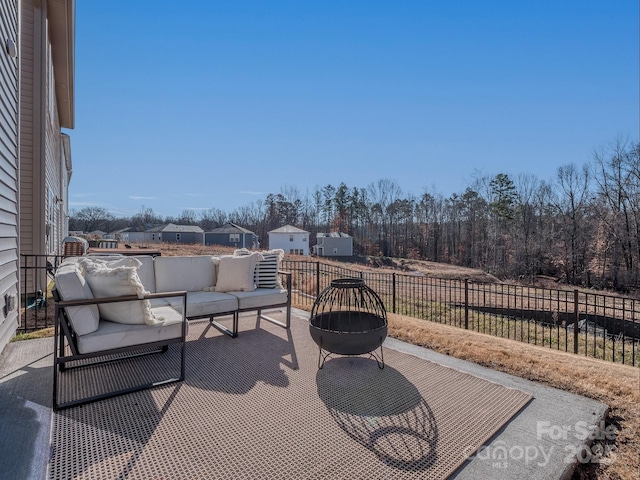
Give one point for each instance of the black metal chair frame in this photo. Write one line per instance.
(66, 337)
(287, 305)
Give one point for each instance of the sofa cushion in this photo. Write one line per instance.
(204, 304)
(193, 273)
(114, 335)
(235, 273)
(260, 297)
(113, 279)
(71, 285)
(146, 272)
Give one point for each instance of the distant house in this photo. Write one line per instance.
(97, 234)
(121, 235)
(132, 235)
(231, 235)
(334, 244)
(291, 239)
(172, 233)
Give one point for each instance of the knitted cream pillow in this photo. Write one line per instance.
(117, 278)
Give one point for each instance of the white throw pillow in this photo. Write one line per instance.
(235, 274)
(107, 280)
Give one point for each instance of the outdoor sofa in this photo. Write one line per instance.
(107, 306)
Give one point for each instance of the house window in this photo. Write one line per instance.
(304, 239)
(291, 238)
(291, 251)
(234, 237)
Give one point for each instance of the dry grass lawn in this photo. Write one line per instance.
(613, 384)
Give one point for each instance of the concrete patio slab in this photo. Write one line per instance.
(538, 443)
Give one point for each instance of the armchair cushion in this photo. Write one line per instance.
(115, 335)
(71, 285)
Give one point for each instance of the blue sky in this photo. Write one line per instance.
(213, 104)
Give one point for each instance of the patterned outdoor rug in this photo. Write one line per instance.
(257, 407)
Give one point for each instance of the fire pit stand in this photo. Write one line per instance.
(348, 318)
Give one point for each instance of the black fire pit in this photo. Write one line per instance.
(348, 318)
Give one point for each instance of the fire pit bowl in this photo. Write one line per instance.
(348, 318)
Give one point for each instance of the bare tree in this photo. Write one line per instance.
(617, 174)
(145, 218)
(527, 188)
(187, 217)
(90, 219)
(571, 201)
(383, 193)
(212, 218)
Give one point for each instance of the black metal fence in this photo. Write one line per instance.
(591, 324)
(36, 279)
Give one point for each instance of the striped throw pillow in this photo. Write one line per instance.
(265, 274)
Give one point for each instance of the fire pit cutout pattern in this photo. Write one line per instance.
(348, 318)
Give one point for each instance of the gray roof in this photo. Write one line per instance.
(334, 234)
(288, 229)
(230, 228)
(173, 228)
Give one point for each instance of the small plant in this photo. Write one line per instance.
(43, 333)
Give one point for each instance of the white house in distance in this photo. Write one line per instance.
(291, 239)
(334, 244)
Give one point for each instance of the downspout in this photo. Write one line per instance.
(19, 138)
(39, 124)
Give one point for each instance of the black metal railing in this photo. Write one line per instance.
(36, 279)
(591, 324)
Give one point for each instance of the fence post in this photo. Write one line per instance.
(317, 278)
(575, 321)
(394, 293)
(23, 296)
(466, 304)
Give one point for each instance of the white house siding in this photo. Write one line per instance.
(54, 163)
(297, 243)
(9, 151)
(65, 178)
(27, 121)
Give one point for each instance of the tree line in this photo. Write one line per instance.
(582, 227)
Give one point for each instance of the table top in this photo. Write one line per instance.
(126, 251)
